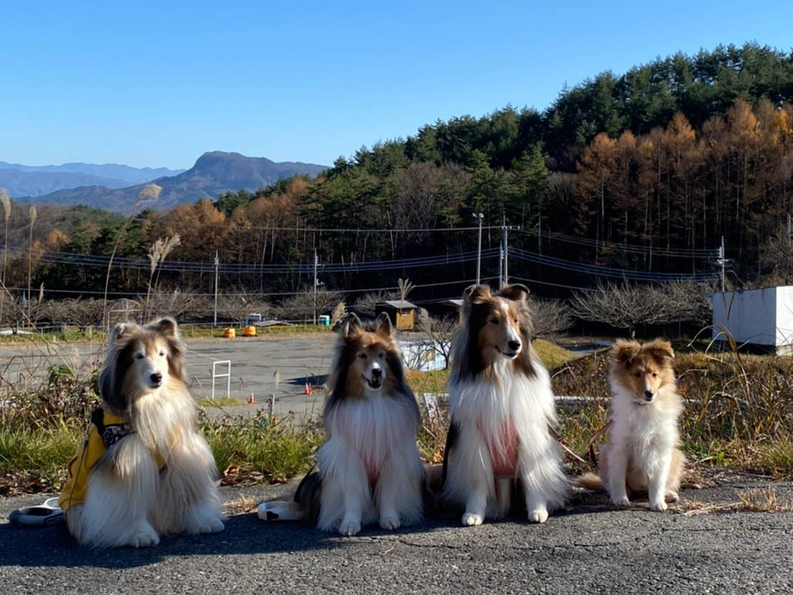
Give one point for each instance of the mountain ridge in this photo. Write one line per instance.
(113, 171)
(214, 173)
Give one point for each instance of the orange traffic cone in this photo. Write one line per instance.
(308, 390)
(251, 399)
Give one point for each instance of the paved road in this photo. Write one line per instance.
(254, 363)
(591, 548)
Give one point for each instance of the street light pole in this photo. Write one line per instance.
(479, 216)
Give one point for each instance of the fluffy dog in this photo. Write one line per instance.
(144, 469)
(502, 413)
(369, 468)
(642, 454)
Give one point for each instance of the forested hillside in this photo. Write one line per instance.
(640, 173)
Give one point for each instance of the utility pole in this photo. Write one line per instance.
(316, 283)
(479, 216)
(723, 260)
(505, 249)
(217, 265)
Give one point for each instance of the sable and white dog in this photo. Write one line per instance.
(144, 469)
(369, 468)
(642, 454)
(503, 411)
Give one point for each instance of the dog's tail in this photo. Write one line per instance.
(280, 510)
(590, 481)
(304, 506)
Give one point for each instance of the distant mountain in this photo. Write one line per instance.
(112, 171)
(213, 174)
(36, 183)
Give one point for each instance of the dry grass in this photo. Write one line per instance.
(242, 505)
(749, 500)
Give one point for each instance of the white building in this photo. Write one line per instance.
(757, 316)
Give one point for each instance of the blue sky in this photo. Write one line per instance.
(159, 83)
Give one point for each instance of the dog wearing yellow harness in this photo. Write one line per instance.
(144, 469)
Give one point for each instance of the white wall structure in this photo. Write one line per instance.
(757, 316)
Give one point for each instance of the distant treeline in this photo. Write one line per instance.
(645, 171)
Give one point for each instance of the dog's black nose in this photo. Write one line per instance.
(156, 378)
(648, 395)
(514, 345)
(377, 372)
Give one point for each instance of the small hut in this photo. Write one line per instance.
(401, 312)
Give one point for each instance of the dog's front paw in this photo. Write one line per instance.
(349, 528)
(621, 501)
(471, 519)
(146, 537)
(672, 496)
(658, 506)
(538, 515)
(390, 521)
(211, 525)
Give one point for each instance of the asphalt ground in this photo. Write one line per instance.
(590, 547)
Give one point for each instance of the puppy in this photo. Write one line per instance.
(502, 413)
(144, 469)
(643, 453)
(369, 468)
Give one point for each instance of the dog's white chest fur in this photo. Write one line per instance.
(513, 398)
(645, 431)
(372, 426)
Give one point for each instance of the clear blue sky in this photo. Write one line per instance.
(159, 83)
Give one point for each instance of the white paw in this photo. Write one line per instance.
(145, 538)
(539, 515)
(621, 501)
(390, 522)
(211, 525)
(672, 496)
(471, 519)
(658, 506)
(349, 528)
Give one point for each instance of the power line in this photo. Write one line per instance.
(603, 271)
(702, 253)
(259, 294)
(69, 258)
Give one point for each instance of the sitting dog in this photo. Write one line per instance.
(369, 468)
(503, 411)
(643, 453)
(144, 469)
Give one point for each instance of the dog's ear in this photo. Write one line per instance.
(166, 326)
(120, 331)
(383, 325)
(477, 294)
(624, 352)
(515, 292)
(660, 350)
(352, 325)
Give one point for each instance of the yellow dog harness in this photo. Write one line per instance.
(105, 430)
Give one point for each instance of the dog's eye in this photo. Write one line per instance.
(162, 354)
(494, 321)
(382, 355)
(655, 375)
(362, 356)
(638, 374)
(138, 356)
